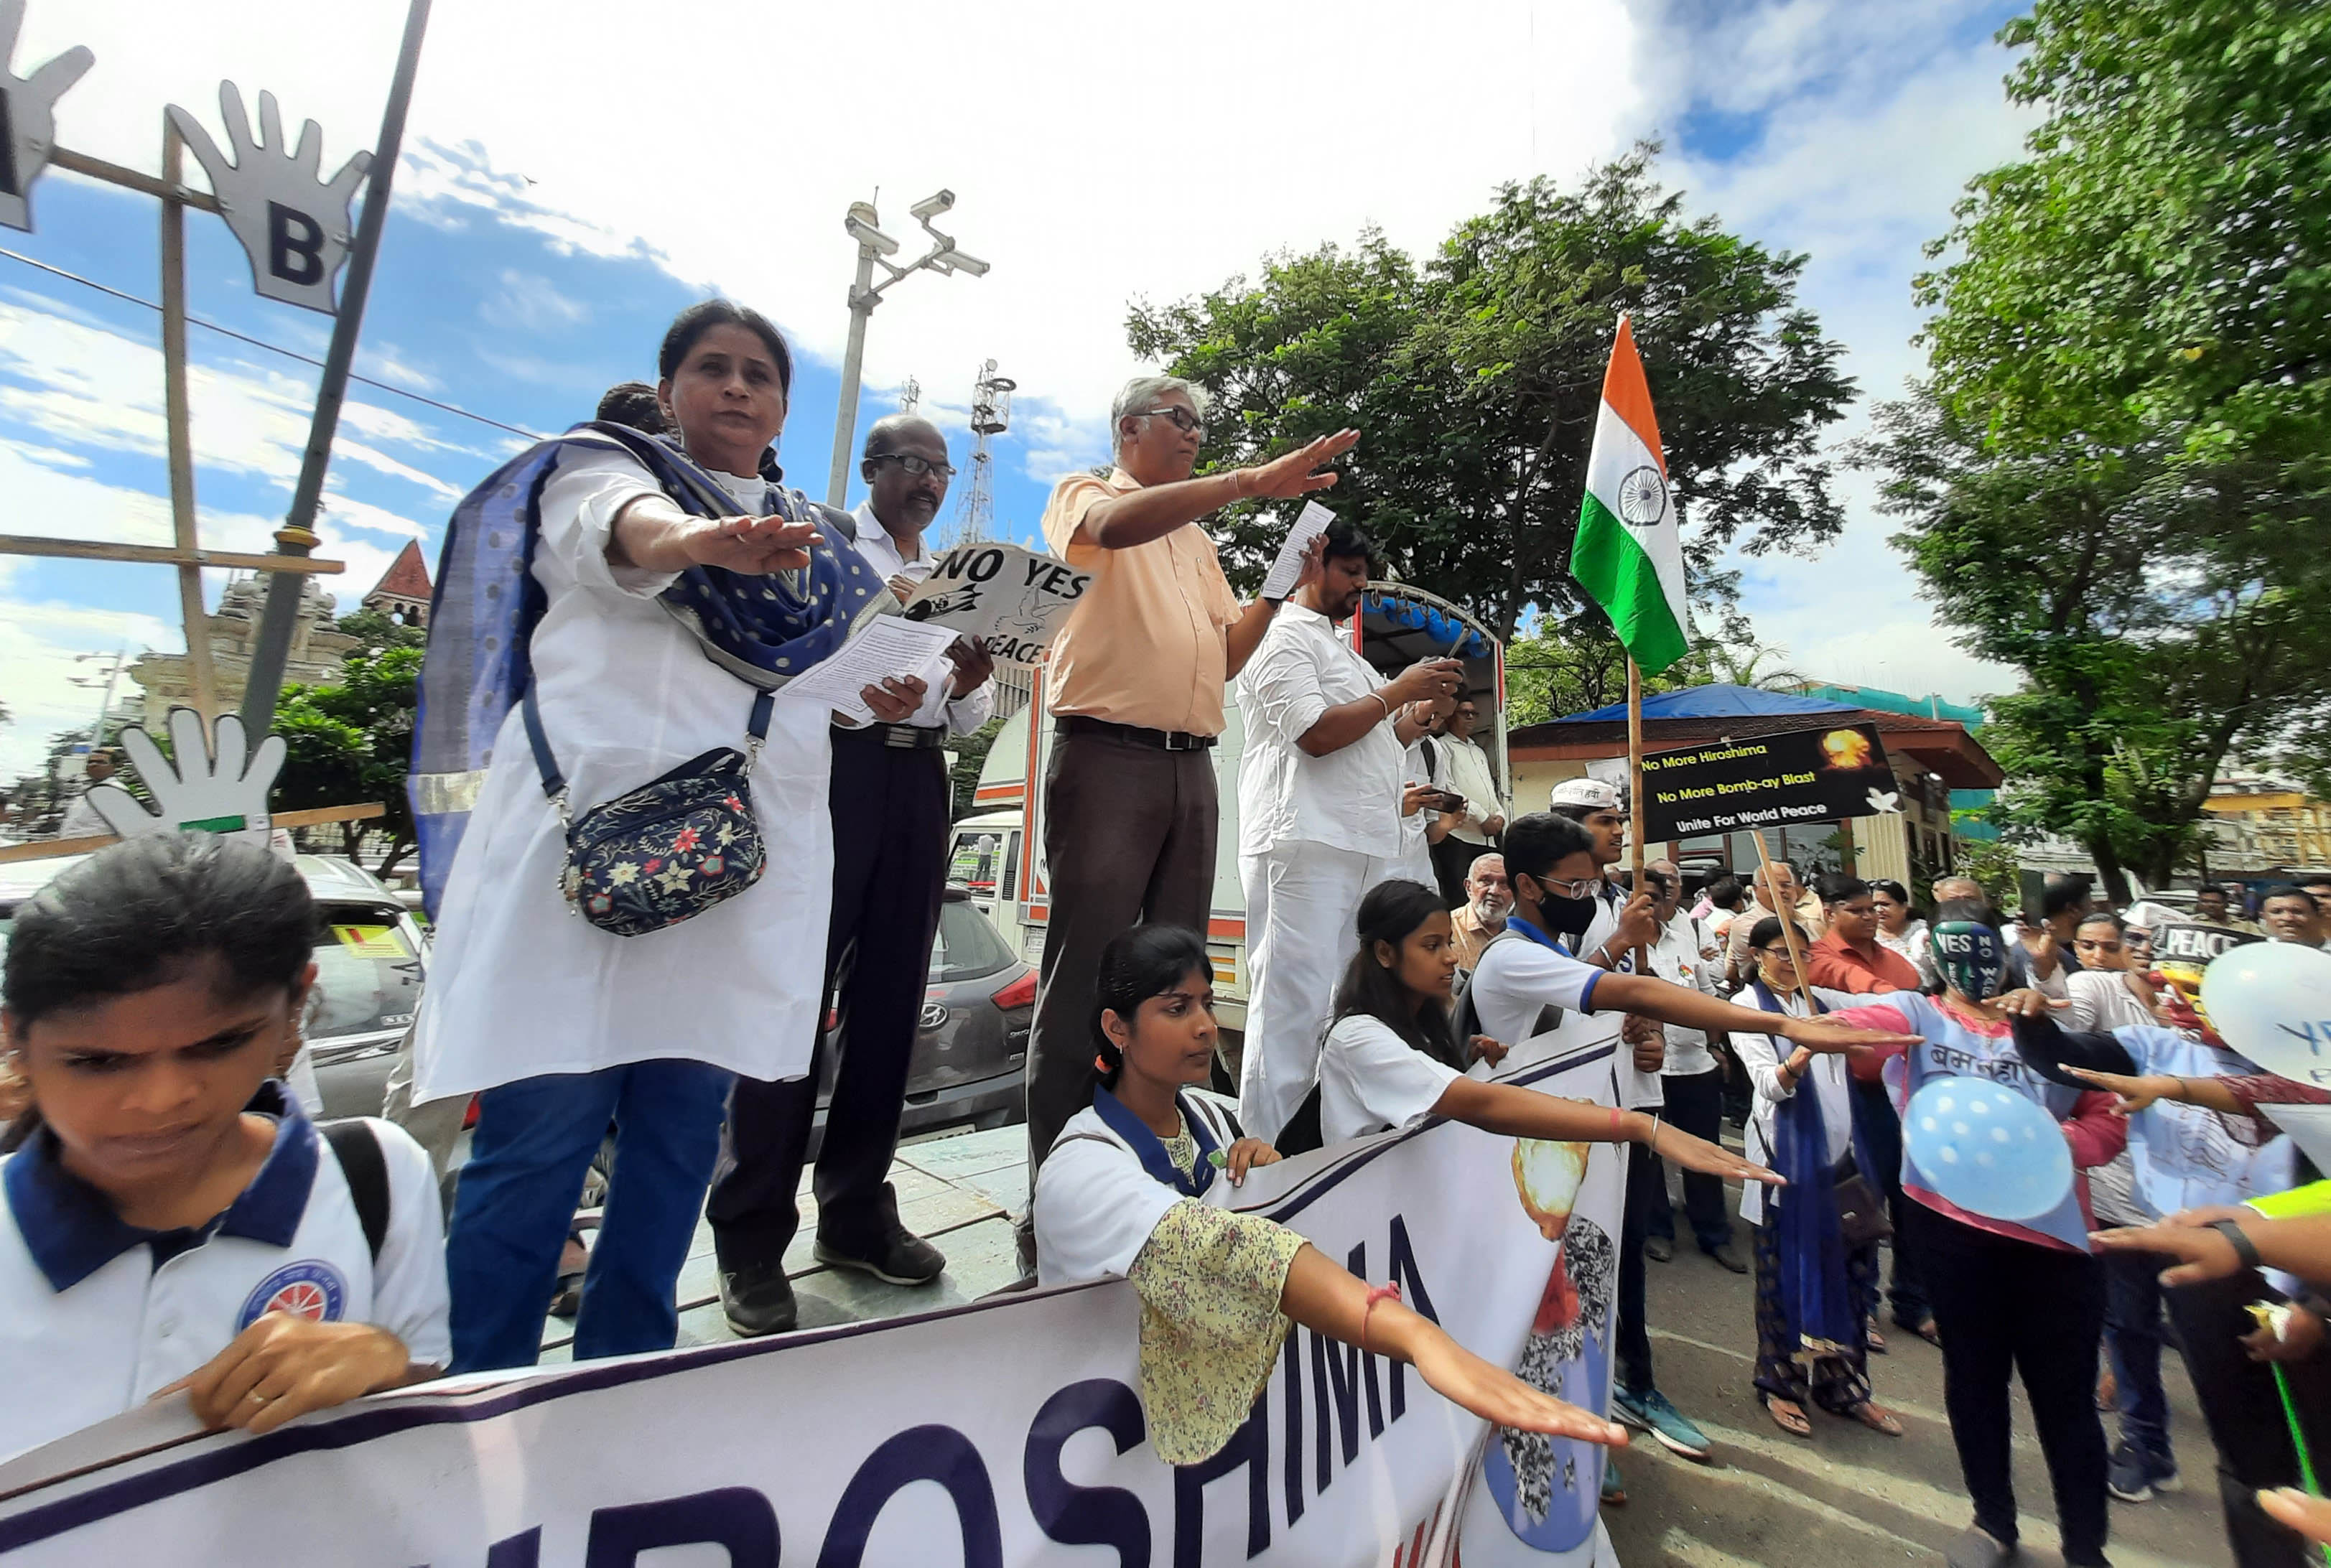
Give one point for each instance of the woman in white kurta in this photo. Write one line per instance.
(1134, 1186)
(565, 1028)
(1838, 1377)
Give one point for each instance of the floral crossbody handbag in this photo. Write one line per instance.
(668, 850)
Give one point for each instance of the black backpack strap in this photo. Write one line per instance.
(1301, 1135)
(358, 1148)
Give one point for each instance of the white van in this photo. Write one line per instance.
(998, 851)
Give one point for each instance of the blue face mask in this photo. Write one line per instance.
(1970, 957)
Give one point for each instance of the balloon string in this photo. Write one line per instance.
(2299, 1442)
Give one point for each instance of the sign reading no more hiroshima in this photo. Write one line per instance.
(1799, 776)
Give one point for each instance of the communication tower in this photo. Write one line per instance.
(991, 415)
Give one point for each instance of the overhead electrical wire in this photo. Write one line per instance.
(270, 348)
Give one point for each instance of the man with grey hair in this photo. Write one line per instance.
(1136, 681)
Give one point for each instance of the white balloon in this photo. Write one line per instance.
(2272, 1000)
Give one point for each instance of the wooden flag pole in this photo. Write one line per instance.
(1788, 922)
(1635, 789)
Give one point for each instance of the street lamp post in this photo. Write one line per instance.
(874, 250)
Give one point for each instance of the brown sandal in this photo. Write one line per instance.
(1876, 1420)
(1789, 1416)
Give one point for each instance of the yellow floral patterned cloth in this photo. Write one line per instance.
(1209, 1282)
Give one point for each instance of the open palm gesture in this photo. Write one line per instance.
(29, 123)
(293, 224)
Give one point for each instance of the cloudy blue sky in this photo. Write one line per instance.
(576, 173)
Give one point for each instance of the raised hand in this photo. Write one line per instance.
(1828, 1035)
(293, 224)
(752, 546)
(1495, 1395)
(1285, 478)
(30, 117)
(1696, 1153)
(2136, 1093)
(226, 794)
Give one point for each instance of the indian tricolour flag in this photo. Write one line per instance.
(1629, 557)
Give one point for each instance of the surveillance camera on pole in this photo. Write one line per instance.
(874, 248)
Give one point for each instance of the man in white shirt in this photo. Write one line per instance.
(1319, 816)
(1464, 769)
(1690, 1081)
(80, 818)
(890, 802)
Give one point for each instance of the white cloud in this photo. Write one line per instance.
(530, 303)
(38, 648)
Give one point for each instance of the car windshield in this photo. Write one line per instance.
(976, 857)
(367, 976)
(966, 946)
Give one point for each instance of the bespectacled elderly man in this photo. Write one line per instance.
(1136, 680)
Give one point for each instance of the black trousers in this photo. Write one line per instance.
(890, 812)
(1695, 1103)
(2006, 1309)
(1453, 861)
(1644, 1176)
(1128, 838)
(2243, 1411)
(1882, 1124)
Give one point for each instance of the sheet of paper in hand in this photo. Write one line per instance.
(888, 646)
(1310, 524)
(1010, 601)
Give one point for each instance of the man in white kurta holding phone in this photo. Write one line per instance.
(1319, 816)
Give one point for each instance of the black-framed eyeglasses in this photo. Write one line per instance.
(1183, 420)
(917, 466)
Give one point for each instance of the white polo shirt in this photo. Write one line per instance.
(1523, 976)
(1370, 1080)
(96, 1316)
(1348, 799)
(1096, 1200)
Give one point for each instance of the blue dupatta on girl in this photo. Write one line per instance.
(1150, 1149)
(763, 629)
(1815, 1303)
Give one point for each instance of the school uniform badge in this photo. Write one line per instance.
(312, 1289)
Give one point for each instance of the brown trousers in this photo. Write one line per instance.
(1128, 838)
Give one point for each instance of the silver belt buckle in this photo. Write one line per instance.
(1179, 740)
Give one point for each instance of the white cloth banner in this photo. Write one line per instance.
(1004, 1432)
(1012, 602)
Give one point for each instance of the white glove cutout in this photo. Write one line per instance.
(198, 792)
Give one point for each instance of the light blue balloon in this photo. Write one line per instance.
(1988, 1149)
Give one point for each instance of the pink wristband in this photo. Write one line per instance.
(1375, 1293)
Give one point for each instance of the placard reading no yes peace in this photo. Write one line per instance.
(1012, 602)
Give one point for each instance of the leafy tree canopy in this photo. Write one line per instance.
(349, 743)
(1475, 376)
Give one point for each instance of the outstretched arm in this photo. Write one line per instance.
(1656, 998)
(1331, 1301)
(1511, 1111)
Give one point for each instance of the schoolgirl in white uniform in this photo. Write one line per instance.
(172, 1219)
(1134, 1187)
(1392, 1057)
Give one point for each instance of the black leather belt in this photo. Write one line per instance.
(912, 736)
(1163, 739)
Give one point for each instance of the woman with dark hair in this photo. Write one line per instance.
(1132, 1187)
(1815, 1287)
(646, 598)
(1392, 1056)
(1901, 932)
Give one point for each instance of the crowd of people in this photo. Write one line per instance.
(617, 609)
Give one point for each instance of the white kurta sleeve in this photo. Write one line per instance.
(579, 504)
(1281, 687)
(1370, 1077)
(408, 1281)
(1094, 1209)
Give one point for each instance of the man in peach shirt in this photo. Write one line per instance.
(1136, 681)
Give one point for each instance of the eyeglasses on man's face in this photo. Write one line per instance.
(1581, 888)
(1183, 419)
(1778, 954)
(917, 466)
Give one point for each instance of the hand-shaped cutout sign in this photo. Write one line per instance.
(294, 226)
(226, 793)
(28, 119)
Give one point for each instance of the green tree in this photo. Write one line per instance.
(375, 632)
(2115, 480)
(970, 755)
(1475, 378)
(350, 743)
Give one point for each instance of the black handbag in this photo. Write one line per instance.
(1862, 1219)
(668, 850)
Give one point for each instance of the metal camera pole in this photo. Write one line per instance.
(298, 535)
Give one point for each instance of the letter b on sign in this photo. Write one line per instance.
(295, 247)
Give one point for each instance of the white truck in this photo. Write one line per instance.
(997, 851)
